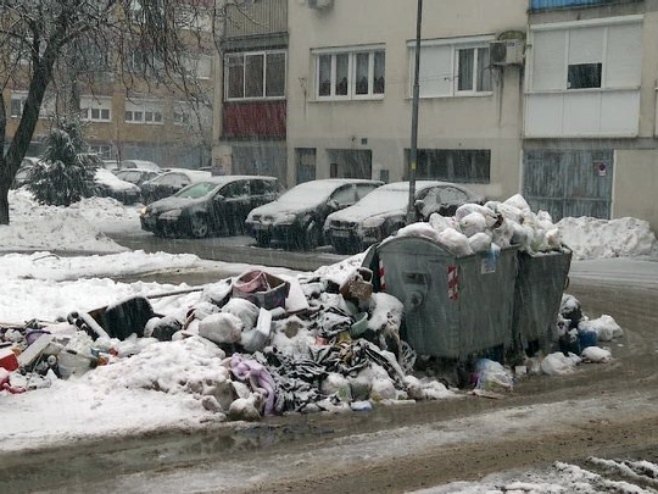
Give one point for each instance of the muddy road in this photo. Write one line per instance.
(608, 410)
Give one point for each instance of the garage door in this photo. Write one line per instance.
(569, 183)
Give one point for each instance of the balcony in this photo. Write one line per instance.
(539, 5)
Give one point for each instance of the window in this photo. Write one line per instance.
(454, 165)
(198, 66)
(473, 70)
(93, 109)
(104, 151)
(148, 112)
(17, 104)
(255, 75)
(182, 114)
(354, 74)
(585, 57)
(450, 68)
(345, 196)
(584, 75)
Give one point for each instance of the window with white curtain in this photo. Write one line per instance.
(457, 67)
(350, 73)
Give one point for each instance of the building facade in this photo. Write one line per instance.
(350, 91)
(590, 123)
(250, 113)
(125, 115)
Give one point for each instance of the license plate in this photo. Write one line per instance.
(341, 233)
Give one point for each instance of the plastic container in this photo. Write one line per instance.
(262, 289)
(587, 338)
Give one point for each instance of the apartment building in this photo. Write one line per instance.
(350, 91)
(250, 115)
(125, 116)
(590, 119)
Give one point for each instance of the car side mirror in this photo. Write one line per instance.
(218, 198)
(419, 204)
(333, 205)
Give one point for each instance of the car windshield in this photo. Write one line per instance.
(386, 198)
(196, 191)
(309, 193)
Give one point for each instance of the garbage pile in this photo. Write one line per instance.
(494, 226)
(253, 345)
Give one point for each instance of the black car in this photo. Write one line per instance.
(170, 182)
(384, 212)
(295, 219)
(216, 205)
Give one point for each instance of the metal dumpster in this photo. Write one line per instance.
(540, 283)
(454, 306)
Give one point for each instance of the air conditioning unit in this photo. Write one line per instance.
(506, 52)
(320, 4)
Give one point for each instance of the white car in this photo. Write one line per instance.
(143, 164)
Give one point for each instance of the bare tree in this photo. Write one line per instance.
(57, 44)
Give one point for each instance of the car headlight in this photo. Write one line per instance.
(174, 214)
(373, 222)
(285, 219)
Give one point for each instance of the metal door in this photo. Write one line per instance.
(569, 183)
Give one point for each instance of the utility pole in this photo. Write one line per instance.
(414, 119)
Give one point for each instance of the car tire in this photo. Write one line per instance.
(199, 226)
(343, 247)
(262, 239)
(312, 238)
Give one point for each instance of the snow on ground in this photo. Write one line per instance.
(76, 228)
(592, 238)
(559, 478)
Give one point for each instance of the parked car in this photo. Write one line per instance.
(23, 173)
(112, 165)
(383, 212)
(168, 183)
(109, 185)
(295, 219)
(214, 205)
(144, 164)
(136, 176)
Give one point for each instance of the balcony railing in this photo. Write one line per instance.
(264, 17)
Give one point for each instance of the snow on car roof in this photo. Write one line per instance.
(317, 191)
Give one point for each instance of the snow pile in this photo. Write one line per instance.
(488, 228)
(47, 266)
(77, 228)
(596, 238)
(324, 347)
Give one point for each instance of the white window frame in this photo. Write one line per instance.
(455, 44)
(46, 111)
(90, 103)
(566, 28)
(244, 55)
(199, 66)
(351, 53)
(143, 107)
(20, 96)
(476, 55)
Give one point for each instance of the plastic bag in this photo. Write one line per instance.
(456, 243)
(492, 376)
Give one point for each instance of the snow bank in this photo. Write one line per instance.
(595, 238)
(78, 227)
